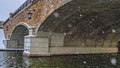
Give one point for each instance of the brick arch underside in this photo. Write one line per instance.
(86, 23)
(18, 36)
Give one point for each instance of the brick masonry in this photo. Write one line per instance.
(41, 10)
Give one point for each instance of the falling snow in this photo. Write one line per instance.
(113, 61)
(81, 15)
(69, 25)
(84, 62)
(103, 32)
(113, 30)
(56, 14)
(65, 34)
(91, 22)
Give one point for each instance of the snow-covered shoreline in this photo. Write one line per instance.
(2, 37)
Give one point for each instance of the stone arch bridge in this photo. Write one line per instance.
(55, 27)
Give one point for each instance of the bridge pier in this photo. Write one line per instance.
(35, 46)
(32, 31)
(40, 46)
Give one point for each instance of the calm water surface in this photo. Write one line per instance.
(14, 59)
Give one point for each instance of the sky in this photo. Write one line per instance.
(6, 7)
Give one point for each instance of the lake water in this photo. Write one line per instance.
(15, 59)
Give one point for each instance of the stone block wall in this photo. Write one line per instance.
(56, 39)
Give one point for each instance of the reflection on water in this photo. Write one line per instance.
(2, 60)
(11, 59)
(16, 60)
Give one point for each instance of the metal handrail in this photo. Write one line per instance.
(24, 5)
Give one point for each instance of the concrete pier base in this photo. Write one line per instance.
(10, 43)
(46, 46)
(40, 46)
(35, 46)
(81, 50)
(74, 50)
(53, 44)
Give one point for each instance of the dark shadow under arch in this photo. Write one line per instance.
(18, 35)
(85, 23)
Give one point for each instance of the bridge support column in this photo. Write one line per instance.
(40, 46)
(32, 31)
(34, 46)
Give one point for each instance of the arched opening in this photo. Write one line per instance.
(85, 23)
(17, 36)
